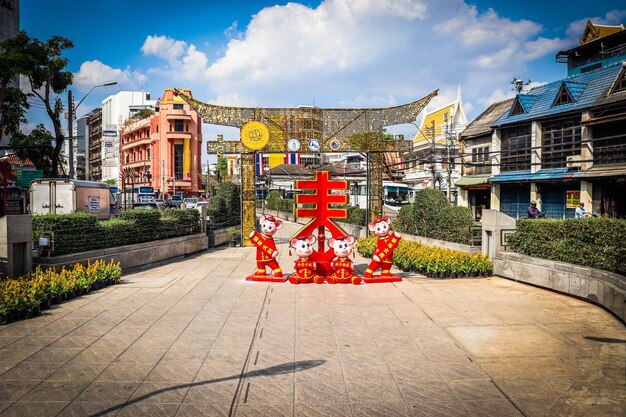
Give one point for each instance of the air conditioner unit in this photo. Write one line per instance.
(573, 161)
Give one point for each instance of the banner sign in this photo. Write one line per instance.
(572, 199)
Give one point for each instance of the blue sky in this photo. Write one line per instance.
(334, 53)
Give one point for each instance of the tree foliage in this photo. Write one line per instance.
(43, 65)
(38, 150)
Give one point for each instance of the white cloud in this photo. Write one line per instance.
(359, 53)
(95, 72)
(164, 47)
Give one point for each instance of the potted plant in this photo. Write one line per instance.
(234, 236)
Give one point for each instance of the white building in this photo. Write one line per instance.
(115, 110)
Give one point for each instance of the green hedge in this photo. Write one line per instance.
(356, 215)
(594, 242)
(225, 205)
(432, 216)
(79, 232)
(433, 262)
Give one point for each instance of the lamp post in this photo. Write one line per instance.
(70, 120)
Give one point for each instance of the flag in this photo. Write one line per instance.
(258, 164)
(293, 158)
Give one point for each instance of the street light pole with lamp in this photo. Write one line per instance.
(70, 121)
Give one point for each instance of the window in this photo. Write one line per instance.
(148, 153)
(157, 128)
(517, 108)
(563, 97)
(186, 127)
(127, 158)
(178, 106)
(559, 139)
(620, 85)
(178, 162)
(515, 149)
(178, 125)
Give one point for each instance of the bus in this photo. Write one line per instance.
(137, 194)
(395, 195)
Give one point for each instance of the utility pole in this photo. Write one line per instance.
(70, 131)
(449, 152)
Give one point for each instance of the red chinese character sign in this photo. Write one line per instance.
(320, 195)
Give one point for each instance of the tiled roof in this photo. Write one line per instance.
(482, 124)
(589, 87)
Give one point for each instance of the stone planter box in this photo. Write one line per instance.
(132, 256)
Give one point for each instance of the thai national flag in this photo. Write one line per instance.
(293, 158)
(258, 164)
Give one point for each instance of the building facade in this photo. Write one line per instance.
(435, 148)
(115, 110)
(474, 144)
(94, 146)
(164, 150)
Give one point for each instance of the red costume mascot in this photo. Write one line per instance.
(343, 267)
(266, 252)
(383, 254)
(305, 267)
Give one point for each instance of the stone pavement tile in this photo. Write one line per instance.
(7, 340)
(204, 410)
(430, 408)
(76, 371)
(55, 391)
(448, 354)
(265, 409)
(98, 356)
(149, 410)
(211, 370)
(39, 409)
(366, 371)
(108, 391)
(460, 370)
(326, 370)
(373, 390)
(54, 355)
(492, 408)
(323, 409)
(149, 392)
(416, 390)
(194, 342)
(175, 371)
(82, 409)
(33, 343)
(212, 392)
(421, 370)
(537, 406)
(476, 389)
(268, 390)
(125, 372)
(535, 388)
(5, 404)
(321, 391)
(506, 368)
(586, 407)
(80, 342)
(14, 390)
(139, 354)
(380, 409)
(34, 371)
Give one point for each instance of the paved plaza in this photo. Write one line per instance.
(192, 338)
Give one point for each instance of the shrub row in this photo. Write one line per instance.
(356, 215)
(593, 242)
(431, 215)
(225, 205)
(276, 202)
(79, 232)
(27, 296)
(431, 261)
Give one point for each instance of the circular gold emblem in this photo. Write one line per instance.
(254, 135)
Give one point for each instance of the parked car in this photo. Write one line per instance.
(149, 206)
(190, 202)
(175, 201)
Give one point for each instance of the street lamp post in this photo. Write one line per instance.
(70, 121)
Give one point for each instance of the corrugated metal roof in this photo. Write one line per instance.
(541, 175)
(589, 86)
(602, 172)
(482, 124)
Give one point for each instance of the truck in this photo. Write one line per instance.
(65, 196)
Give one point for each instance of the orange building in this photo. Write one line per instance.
(164, 151)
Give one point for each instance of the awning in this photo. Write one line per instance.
(541, 175)
(601, 173)
(469, 180)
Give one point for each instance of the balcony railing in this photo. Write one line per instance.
(612, 154)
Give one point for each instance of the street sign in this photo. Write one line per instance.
(24, 178)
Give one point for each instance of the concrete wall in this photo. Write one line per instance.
(601, 287)
(131, 256)
(442, 243)
(494, 222)
(218, 237)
